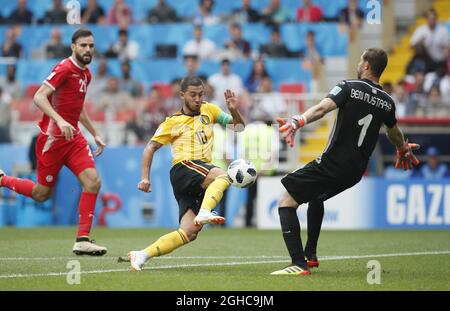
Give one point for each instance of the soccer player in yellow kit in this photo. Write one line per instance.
(198, 185)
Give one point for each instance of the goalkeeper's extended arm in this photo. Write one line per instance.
(288, 127)
(405, 157)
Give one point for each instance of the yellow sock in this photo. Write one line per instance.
(167, 243)
(214, 192)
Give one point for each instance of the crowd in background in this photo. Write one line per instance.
(424, 91)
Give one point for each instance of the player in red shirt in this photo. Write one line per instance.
(61, 99)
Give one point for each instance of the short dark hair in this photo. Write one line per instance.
(81, 33)
(431, 11)
(377, 59)
(188, 81)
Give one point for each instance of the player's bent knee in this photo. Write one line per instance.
(287, 201)
(93, 185)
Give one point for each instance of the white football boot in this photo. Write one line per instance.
(205, 216)
(137, 259)
(89, 248)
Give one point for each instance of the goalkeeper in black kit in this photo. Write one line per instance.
(363, 107)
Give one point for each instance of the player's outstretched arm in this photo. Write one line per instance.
(41, 101)
(87, 123)
(238, 121)
(147, 158)
(405, 157)
(288, 127)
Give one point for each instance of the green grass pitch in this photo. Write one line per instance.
(225, 260)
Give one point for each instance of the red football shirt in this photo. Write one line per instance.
(69, 82)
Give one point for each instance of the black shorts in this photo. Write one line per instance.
(319, 181)
(186, 178)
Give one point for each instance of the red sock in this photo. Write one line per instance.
(18, 185)
(86, 213)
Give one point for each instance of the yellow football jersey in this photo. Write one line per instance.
(191, 136)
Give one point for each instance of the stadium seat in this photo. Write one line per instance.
(164, 89)
(295, 88)
(292, 88)
(166, 50)
(26, 109)
(31, 90)
(94, 115)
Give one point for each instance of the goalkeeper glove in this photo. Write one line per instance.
(288, 127)
(405, 157)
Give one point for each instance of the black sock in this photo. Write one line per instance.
(290, 227)
(315, 217)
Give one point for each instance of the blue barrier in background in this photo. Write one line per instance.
(120, 170)
(409, 203)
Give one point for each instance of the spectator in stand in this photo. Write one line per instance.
(124, 49)
(100, 81)
(271, 104)
(11, 87)
(433, 168)
(202, 47)
(5, 117)
(10, 47)
(21, 15)
(245, 14)
(92, 13)
(313, 60)
(309, 13)
(440, 79)
(55, 48)
(162, 13)
(127, 83)
(435, 107)
(276, 47)
(256, 75)
(387, 87)
(448, 59)
(112, 101)
(224, 80)
(147, 119)
(435, 38)
(56, 15)
(191, 65)
(352, 15)
(174, 101)
(120, 14)
(421, 61)
(418, 97)
(209, 93)
(400, 96)
(275, 13)
(236, 45)
(204, 15)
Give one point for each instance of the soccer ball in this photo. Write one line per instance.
(242, 173)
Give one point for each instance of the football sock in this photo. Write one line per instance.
(315, 217)
(18, 185)
(290, 227)
(214, 192)
(86, 209)
(167, 243)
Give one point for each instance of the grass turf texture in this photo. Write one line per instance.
(225, 260)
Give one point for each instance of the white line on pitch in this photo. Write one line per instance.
(158, 258)
(19, 275)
